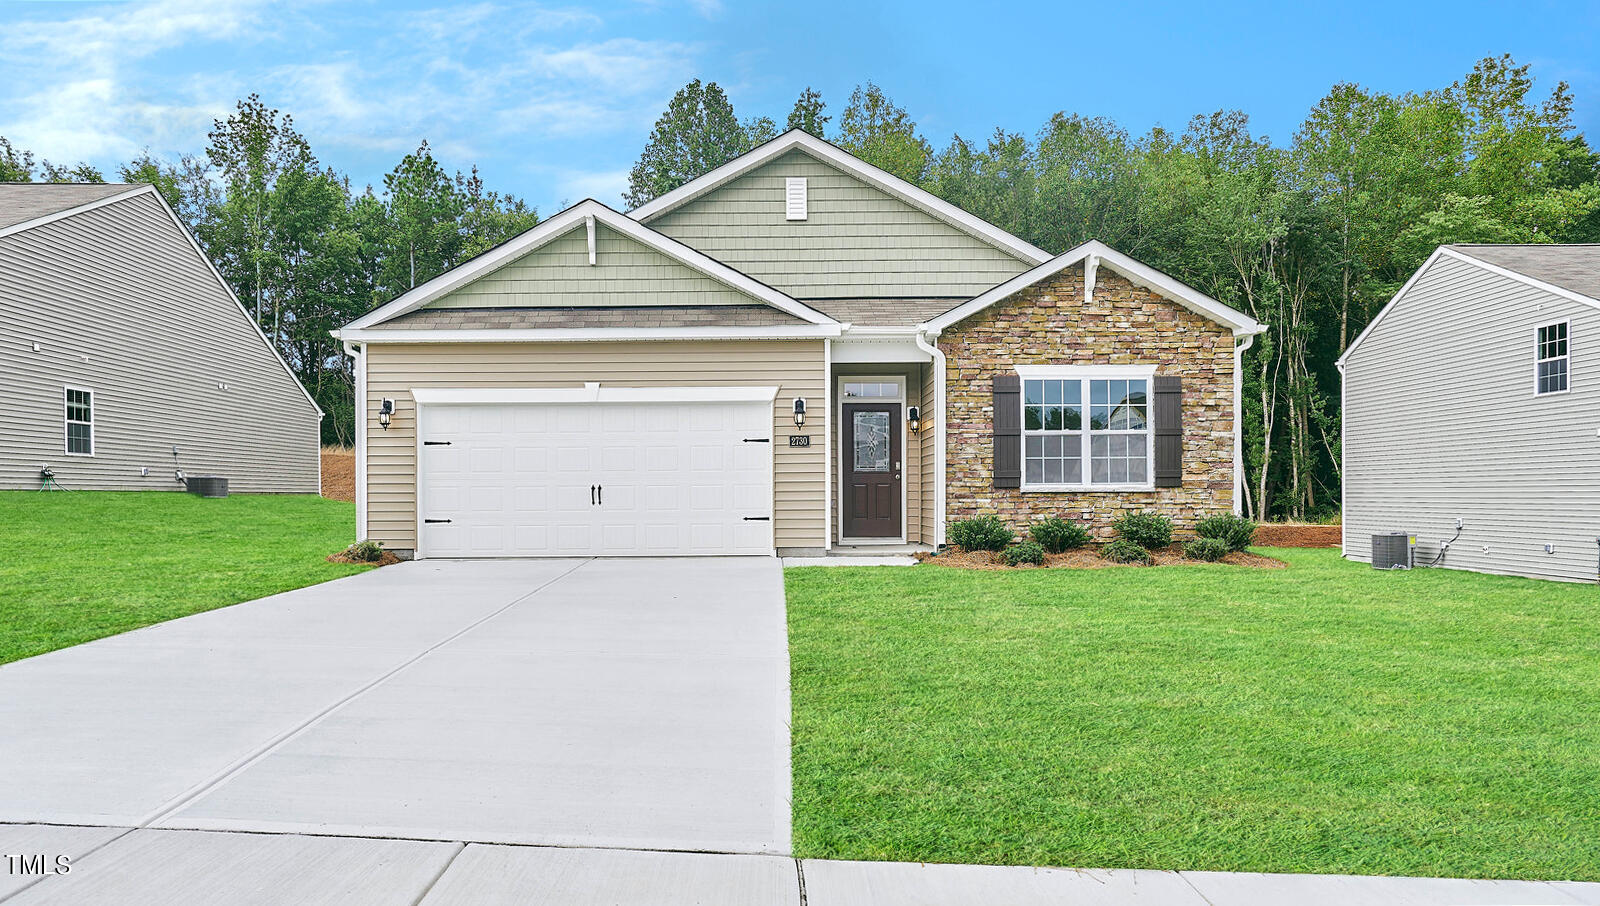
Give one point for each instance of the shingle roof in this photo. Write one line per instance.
(611, 316)
(1571, 267)
(24, 201)
(883, 312)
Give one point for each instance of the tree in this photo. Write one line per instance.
(697, 133)
(758, 130)
(874, 129)
(807, 113)
(425, 213)
(15, 166)
(1089, 185)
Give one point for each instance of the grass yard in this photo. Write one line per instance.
(80, 565)
(1322, 718)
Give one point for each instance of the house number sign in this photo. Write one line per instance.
(799, 440)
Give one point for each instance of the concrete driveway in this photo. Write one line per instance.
(628, 703)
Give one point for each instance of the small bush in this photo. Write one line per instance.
(365, 551)
(1056, 535)
(1124, 551)
(1208, 549)
(1026, 552)
(1234, 531)
(981, 533)
(1148, 530)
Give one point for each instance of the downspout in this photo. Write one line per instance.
(827, 444)
(923, 337)
(1239, 349)
(359, 354)
(1344, 522)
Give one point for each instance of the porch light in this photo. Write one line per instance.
(385, 412)
(799, 412)
(913, 418)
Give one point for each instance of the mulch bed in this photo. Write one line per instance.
(1293, 534)
(1088, 558)
(339, 474)
(388, 559)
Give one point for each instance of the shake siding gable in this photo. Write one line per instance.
(1441, 422)
(122, 304)
(857, 242)
(625, 273)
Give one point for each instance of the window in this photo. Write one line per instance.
(1550, 370)
(80, 422)
(871, 390)
(1082, 431)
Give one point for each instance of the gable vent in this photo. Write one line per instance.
(794, 198)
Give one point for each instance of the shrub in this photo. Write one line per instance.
(1056, 535)
(1124, 551)
(365, 551)
(1234, 531)
(1148, 530)
(981, 533)
(1026, 552)
(1208, 549)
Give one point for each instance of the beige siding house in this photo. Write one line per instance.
(777, 358)
(1472, 414)
(127, 358)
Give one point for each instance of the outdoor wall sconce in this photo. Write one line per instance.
(799, 412)
(385, 412)
(913, 419)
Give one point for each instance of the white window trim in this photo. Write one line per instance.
(66, 439)
(1085, 373)
(1538, 361)
(899, 380)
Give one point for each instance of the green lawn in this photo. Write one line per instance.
(1323, 718)
(80, 565)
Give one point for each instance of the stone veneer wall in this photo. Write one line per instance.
(1048, 324)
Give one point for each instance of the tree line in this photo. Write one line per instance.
(1310, 236)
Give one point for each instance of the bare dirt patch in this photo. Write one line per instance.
(1088, 558)
(339, 474)
(1294, 534)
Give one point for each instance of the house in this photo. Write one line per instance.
(127, 359)
(795, 352)
(1471, 412)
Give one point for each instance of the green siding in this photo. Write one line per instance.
(625, 272)
(857, 241)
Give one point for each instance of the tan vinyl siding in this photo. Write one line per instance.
(795, 367)
(918, 491)
(625, 272)
(856, 241)
(123, 305)
(1441, 421)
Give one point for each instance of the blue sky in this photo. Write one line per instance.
(553, 101)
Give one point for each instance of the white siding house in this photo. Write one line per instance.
(1474, 396)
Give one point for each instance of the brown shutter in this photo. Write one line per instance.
(1007, 431)
(1166, 413)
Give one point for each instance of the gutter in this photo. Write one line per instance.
(923, 338)
(359, 354)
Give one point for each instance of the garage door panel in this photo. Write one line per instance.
(518, 480)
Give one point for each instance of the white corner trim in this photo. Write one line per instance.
(589, 393)
(557, 226)
(1445, 252)
(359, 357)
(588, 334)
(82, 208)
(842, 160)
(1137, 272)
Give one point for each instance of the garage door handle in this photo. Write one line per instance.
(591, 495)
(434, 521)
(758, 440)
(436, 443)
(601, 494)
(758, 519)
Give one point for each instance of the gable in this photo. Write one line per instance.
(856, 241)
(626, 272)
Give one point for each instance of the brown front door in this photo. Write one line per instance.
(871, 458)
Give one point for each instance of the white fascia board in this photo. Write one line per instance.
(1046, 372)
(842, 160)
(588, 334)
(573, 217)
(1444, 252)
(589, 393)
(1142, 274)
(69, 212)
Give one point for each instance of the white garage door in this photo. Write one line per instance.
(595, 478)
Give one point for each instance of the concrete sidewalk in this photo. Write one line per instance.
(121, 866)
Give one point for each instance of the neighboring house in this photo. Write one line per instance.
(1475, 396)
(795, 352)
(126, 357)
